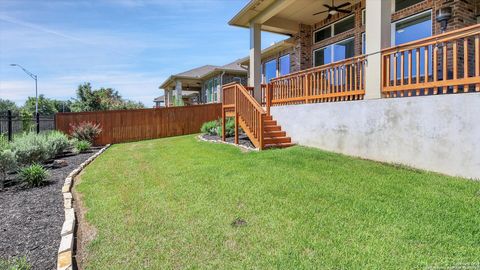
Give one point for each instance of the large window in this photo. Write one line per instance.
(270, 70)
(335, 52)
(413, 28)
(211, 90)
(401, 4)
(336, 28)
(284, 62)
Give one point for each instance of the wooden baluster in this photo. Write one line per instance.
(426, 75)
(465, 63)
(455, 66)
(444, 61)
(477, 61)
(410, 70)
(434, 68)
(417, 67)
(402, 71)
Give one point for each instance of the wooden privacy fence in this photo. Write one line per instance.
(144, 124)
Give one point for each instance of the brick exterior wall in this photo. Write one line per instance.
(464, 14)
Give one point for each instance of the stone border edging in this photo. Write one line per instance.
(65, 251)
(200, 137)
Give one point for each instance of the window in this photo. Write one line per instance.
(270, 70)
(364, 14)
(413, 28)
(284, 64)
(364, 44)
(339, 27)
(343, 50)
(322, 56)
(344, 25)
(323, 34)
(401, 4)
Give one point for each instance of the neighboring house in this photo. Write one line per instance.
(159, 102)
(202, 85)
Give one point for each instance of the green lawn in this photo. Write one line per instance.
(170, 204)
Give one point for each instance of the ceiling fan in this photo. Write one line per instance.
(333, 10)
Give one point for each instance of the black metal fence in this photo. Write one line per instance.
(14, 122)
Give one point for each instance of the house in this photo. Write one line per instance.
(159, 102)
(202, 84)
(388, 80)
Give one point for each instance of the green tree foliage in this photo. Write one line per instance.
(46, 106)
(6, 105)
(102, 99)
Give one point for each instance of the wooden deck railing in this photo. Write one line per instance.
(247, 112)
(339, 81)
(445, 63)
(263, 88)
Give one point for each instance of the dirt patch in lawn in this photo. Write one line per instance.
(85, 232)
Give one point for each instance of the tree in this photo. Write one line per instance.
(45, 106)
(6, 105)
(62, 105)
(102, 99)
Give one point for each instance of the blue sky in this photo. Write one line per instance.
(130, 45)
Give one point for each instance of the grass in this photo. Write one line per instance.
(170, 204)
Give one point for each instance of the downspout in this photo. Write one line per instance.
(220, 94)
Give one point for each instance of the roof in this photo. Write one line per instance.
(202, 72)
(159, 99)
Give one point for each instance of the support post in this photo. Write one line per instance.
(236, 116)
(178, 93)
(268, 97)
(223, 124)
(37, 121)
(377, 37)
(255, 79)
(9, 125)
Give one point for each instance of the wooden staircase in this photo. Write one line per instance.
(273, 136)
(260, 127)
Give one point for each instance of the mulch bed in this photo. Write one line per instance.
(242, 139)
(31, 218)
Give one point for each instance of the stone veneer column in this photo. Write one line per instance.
(302, 51)
(377, 37)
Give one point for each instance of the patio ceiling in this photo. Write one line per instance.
(283, 16)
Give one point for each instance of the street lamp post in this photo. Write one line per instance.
(33, 76)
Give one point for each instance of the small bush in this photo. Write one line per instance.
(34, 175)
(85, 131)
(32, 148)
(57, 142)
(211, 127)
(8, 162)
(15, 264)
(229, 128)
(4, 143)
(82, 146)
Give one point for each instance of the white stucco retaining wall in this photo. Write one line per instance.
(436, 133)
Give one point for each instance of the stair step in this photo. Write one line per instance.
(270, 122)
(279, 145)
(272, 128)
(277, 140)
(268, 117)
(275, 133)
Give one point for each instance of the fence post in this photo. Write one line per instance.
(37, 121)
(9, 125)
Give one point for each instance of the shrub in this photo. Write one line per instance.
(32, 148)
(4, 144)
(33, 175)
(57, 142)
(210, 128)
(8, 162)
(229, 128)
(85, 131)
(15, 264)
(82, 146)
